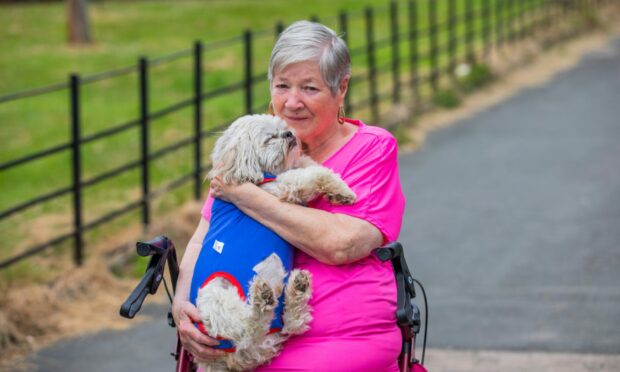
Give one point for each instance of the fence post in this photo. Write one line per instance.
(247, 37)
(486, 27)
(535, 10)
(144, 137)
(499, 23)
(343, 19)
(511, 25)
(528, 19)
(74, 92)
(522, 10)
(413, 51)
(372, 70)
(469, 31)
(197, 119)
(432, 29)
(451, 37)
(544, 22)
(279, 29)
(549, 30)
(395, 52)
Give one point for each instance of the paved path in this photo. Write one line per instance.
(514, 218)
(513, 225)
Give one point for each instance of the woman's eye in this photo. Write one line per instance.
(310, 88)
(281, 86)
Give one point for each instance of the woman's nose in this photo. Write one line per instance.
(293, 102)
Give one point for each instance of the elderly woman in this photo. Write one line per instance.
(354, 294)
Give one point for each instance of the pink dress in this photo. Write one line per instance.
(354, 326)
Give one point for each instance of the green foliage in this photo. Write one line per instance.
(133, 266)
(139, 265)
(446, 98)
(401, 134)
(479, 75)
(591, 18)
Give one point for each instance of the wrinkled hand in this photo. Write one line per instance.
(227, 192)
(197, 343)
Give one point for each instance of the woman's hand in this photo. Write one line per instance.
(229, 192)
(197, 343)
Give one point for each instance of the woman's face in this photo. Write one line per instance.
(301, 97)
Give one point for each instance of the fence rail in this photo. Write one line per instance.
(419, 47)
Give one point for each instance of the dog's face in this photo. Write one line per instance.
(254, 144)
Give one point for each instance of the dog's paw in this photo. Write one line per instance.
(263, 295)
(346, 198)
(299, 285)
(289, 196)
(301, 281)
(297, 312)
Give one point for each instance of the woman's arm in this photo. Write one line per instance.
(331, 238)
(186, 268)
(183, 311)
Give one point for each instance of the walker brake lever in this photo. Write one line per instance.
(158, 250)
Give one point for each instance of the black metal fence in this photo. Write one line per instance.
(402, 54)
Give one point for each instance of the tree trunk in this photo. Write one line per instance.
(77, 22)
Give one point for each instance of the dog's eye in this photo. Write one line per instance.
(271, 137)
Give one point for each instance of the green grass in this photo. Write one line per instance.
(35, 54)
(446, 98)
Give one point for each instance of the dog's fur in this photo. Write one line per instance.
(252, 145)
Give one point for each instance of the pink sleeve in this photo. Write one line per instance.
(371, 170)
(206, 208)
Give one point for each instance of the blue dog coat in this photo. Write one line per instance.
(234, 244)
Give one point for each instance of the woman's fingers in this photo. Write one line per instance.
(202, 352)
(216, 187)
(190, 331)
(196, 342)
(200, 345)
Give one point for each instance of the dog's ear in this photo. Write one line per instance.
(247, 167)
(234, 157)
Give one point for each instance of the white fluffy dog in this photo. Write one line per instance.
(239, 260)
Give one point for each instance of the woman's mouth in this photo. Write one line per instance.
(295, 118)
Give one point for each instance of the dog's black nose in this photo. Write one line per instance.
(287, 134)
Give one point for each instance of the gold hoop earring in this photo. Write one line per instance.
(270, 109)
(341, 115)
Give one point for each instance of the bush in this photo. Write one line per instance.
(475, 77)
(446, 98)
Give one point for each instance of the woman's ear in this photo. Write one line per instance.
(343, 86)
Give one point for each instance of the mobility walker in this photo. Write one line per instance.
(162, 250)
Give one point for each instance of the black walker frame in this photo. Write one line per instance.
(162, 250)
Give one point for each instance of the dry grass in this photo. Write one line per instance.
(74, 301)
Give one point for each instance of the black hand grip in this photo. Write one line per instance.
(132, 305)
(394, 251)
(157, 245)
(161, 250)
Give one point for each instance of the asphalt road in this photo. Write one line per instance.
(512, 224)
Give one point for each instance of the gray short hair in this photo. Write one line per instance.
(309, 41)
